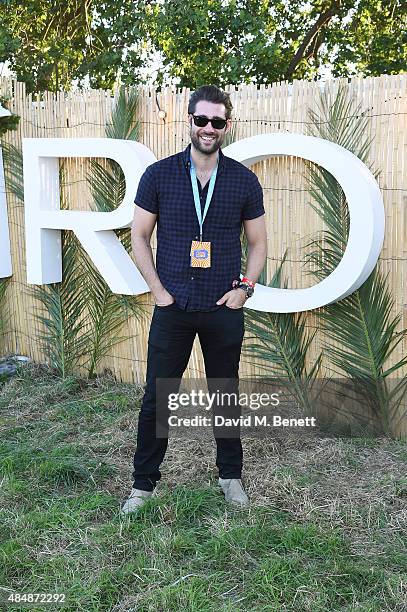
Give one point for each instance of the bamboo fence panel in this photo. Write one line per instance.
(277, 107)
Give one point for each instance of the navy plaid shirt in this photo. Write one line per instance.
(165, 189)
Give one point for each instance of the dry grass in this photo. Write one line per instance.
(192, 551)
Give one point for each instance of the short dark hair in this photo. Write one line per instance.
(210, 93)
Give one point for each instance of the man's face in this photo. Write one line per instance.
(207, 139)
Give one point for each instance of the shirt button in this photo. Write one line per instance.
(192, 278)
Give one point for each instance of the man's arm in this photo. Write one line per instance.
(141, 231)
(256, 235)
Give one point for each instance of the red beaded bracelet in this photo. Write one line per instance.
(246, 281)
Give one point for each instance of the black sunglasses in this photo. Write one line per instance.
(201, 121)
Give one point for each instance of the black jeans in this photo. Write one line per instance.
(172, 333)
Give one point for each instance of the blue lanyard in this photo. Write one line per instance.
(201, 217)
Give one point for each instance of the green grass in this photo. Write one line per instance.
(325, 529)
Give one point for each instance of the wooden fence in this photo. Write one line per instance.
(280, 107)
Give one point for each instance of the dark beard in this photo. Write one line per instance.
(207, 151)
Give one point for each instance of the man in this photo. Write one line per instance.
(199, 199)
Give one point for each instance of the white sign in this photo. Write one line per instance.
(44, 219)
(366, 213)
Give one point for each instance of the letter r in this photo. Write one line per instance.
(44, 220)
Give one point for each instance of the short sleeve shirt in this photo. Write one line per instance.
(165, 189)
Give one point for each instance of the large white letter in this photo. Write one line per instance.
(5, 256)
(44, 220)
(366, 213)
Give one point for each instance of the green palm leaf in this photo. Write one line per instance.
(109, 312)
(63, 314)
(13, 170)
(281, 342)
(3, 316)
(123, 122)
(64, 339)
(61, 306)
(80, 316)
(14, 181)
(362, 334)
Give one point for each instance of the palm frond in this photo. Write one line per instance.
(123, 123)
(362, 334)
(3, 316)
(107, 186)
(63, 314)
(281, 342)
(62, 304)
(14, 183)
(64, 339)
(340, 120)
(13, 170)
(108, 312)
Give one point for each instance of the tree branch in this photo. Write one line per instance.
(322, 20)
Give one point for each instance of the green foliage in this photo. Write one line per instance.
(235, 41)
(362, 332)
(65, 337)
(61, 306)
(3, 317)
(282, 342)
(81, 317)
(214, 42)
(7, 123)
(51, 44)
(374, 41)
(13, 170)
(107, 310)
(13, 175)
(100, 313)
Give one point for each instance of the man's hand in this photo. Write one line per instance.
(164, 298)
(233, 299)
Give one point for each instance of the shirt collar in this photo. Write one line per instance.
(186, 153)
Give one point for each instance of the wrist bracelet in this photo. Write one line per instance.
(248, 289)
(246, 281)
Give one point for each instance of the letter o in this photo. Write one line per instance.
(366, 214)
